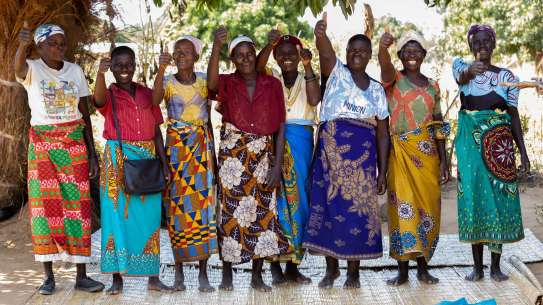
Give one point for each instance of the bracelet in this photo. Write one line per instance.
(311, 78)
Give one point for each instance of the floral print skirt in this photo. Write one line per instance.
(248, 225)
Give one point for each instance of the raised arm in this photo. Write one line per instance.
(158, 86)
(327, 55)
(100, 87)
(25, 40)
(312, 87)
(264, 55)
(385, 61)
(213, 66)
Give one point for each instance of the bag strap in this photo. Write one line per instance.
(116, 121)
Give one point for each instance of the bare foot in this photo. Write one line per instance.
(155, 284)
(277, 274)
(226, 283)
(427, 278)
(327, 281)
(292, 274)
(116, 285)
(258, 284)
(497, 275)
(475, 275)
(352, 281)
(204, 283)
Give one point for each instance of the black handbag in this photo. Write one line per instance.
(143, 176)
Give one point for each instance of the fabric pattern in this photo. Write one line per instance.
(248, 225)
(59, 193)
(344, 216)
(187, 103)
(130, 224)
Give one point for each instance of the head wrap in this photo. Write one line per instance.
(45, 31)
(287, 39)
(198, 45)
(234, 43)
(475, 28)
(412, 36)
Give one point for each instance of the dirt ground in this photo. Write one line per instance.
(20, 275)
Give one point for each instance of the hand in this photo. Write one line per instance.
(524, 165)
(386, 40)
(94, 168)
(105, 64)
(25, 36)
(305, 55)
(381, 184)
(477, 67)
(164, 59)
(274, 177)
(444, 170)
(274, 36)
(320, 27)
(221, 35)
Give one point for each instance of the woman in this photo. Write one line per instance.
(61, 155)
(302, 94)
(352, 143)
(130, 223)
(417, 163)
(253, 112)
(488, 123)
(189, 201)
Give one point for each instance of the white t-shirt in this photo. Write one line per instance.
(53, 95)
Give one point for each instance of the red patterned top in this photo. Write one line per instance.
(263, 115)
(137, 117)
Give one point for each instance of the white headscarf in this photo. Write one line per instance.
(197, 43)
(241, 38)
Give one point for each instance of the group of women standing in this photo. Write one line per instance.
(278, 193)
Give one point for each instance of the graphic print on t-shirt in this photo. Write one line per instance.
(60, 99)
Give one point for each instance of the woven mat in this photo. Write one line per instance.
(449, 252)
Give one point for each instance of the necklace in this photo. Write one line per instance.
(293, 92)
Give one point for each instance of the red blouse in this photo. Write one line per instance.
(263, 115)
(137, 117)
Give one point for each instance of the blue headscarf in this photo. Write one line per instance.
(45, 31)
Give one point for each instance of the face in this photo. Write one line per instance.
(287, 57)
(123, 67)
(412, 55)
(358, 55)
(482, 44)
(184, 55)
(53, 48)
(244, 58)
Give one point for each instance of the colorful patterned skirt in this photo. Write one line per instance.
(189, 201)
(488, 198)
(414, 193)
(248, 225)
(130, 223)
(344, 218)
(293, 197)
(59, 193)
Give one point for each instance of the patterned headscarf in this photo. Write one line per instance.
(45, 31)
(287, 39)
(475, 28)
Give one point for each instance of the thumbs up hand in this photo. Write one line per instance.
(165, 58)
(25, 36)
(320, 27)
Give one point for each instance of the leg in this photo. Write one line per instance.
(85, 283)
(277, 274)
(332, 273)
(48, 285)
(226, 283)
(495, 270)
(422, 272)
(116, 284)
(256, 278)
(403, 274)
(353, 275)
(202, 278)
(292, 274)
(477, 274)
(155, 284)
(179, 282)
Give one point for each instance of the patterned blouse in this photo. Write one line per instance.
(411, 106)
(187, 103)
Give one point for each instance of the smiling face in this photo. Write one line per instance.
(287, 57)
(482, 44)
(184, 55)
(53, 48)
(244, 58)
(412, 55)
(123, 67)
(358, 55)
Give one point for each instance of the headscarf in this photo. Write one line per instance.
(234, 43)
(287, 39)
(475, 28)
(412, 36)
(197, 43)
(45, 31)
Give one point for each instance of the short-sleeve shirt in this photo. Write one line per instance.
(187, 103)
(411, 106)
(137, 117)
(299, 111)
(53, 95)
(263, 115)
(482, 85)
(344, 99)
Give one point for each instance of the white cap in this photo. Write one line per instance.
(238, 40)
(198, 45)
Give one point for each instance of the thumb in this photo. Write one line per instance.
(387, 29)
(325, 17)
(166, 49)
(25, 25)
(478, 57)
